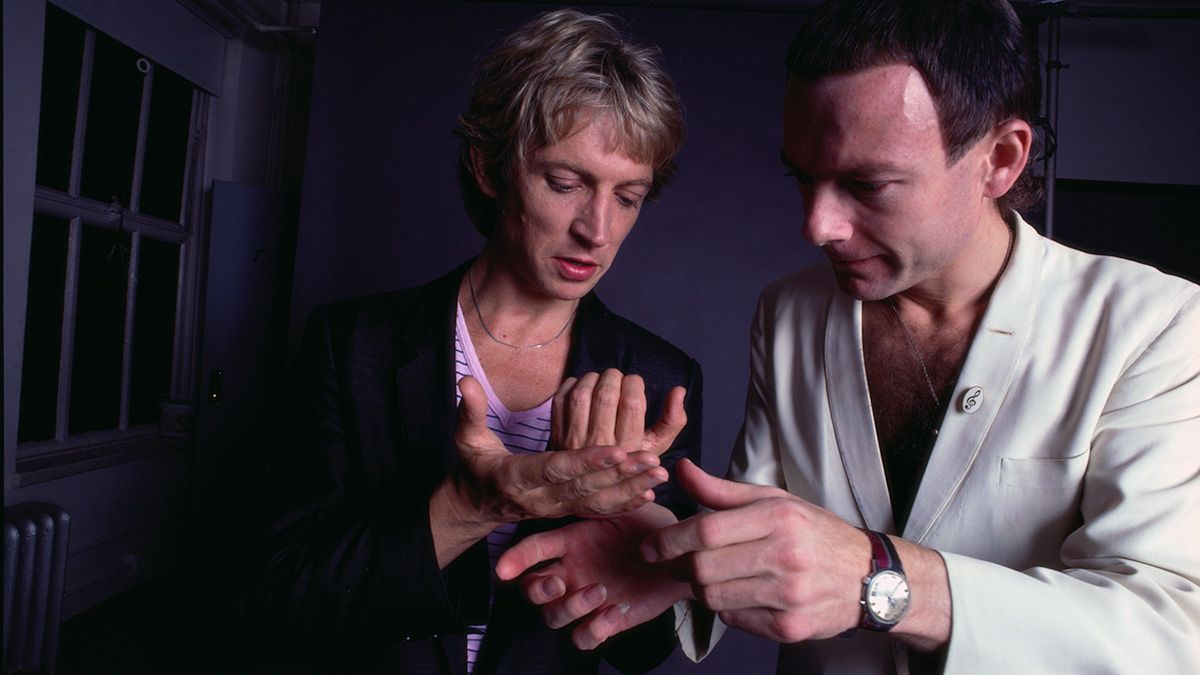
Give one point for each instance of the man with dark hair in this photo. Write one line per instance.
(969, 447)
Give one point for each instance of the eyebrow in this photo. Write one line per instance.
(550, 164)
(865, 169)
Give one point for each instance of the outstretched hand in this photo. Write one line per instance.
(609, 408)
(606, 477)
(598, 574)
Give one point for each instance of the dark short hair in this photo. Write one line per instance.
(975, 61)
(530, 91)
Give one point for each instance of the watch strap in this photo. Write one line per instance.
(883, 553)
(883, 557)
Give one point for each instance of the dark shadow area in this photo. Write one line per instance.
(1155, 224)
(147, 629)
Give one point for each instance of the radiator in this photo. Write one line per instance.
(35, 562)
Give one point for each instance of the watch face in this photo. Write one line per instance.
(887, 596)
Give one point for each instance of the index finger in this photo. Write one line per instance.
(704, 532)
(532, 550)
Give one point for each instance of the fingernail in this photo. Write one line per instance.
(553, 587)
(612, 615)
(612, 460)
(595, 595)
(649, 554)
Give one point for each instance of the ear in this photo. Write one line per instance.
(479, 168)
(1008, 155)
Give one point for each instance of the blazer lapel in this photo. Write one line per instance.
(425, 396)
(593, 348)
(986, 377)
(850, 411)
(425, 381)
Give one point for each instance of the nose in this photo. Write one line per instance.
(826, 217)
(593, 221)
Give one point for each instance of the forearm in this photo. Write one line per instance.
(454, 522)
(929, 619)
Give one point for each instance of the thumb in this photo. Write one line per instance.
(672, 420)
(715, 493)
(472, 411)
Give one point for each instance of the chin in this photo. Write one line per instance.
(866, 289)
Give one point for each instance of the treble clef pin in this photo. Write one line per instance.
(972, 400)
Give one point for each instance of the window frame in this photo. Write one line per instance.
(66, 454)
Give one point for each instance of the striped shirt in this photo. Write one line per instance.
(521, 432)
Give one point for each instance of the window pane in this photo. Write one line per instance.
(62, 58)
(112, 123)
(166, 144)
(153, 329)
(43, 329)
(99, 329)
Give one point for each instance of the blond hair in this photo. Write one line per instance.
(530, 91)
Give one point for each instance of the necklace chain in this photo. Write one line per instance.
(937, 401)
(912, 343)
(479, 313)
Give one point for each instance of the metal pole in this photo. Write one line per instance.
(1053, 66)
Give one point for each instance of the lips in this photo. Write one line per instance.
(577, 269)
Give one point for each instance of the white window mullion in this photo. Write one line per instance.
(66, 353)
(180, 381)
(139, 153)
(81, 111)
(183, 373)
(131, 286)
(193, 149)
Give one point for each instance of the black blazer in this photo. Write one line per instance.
(351, 582)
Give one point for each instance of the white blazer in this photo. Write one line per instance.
(1066, 503)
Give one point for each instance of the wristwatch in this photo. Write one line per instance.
(885, 598)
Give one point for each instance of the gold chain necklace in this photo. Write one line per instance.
(478, 313)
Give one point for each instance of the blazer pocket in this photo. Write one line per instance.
(1041, 472)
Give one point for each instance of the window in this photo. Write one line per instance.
(111, 263)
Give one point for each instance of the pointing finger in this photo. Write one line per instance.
(532, 550)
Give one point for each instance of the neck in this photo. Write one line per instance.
(964, 287)
(506, 308)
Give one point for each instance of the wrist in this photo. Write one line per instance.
(459, 503)
(886, 594)
(928, 623)
(454, 523)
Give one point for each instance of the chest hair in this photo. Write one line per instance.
(900, 396)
